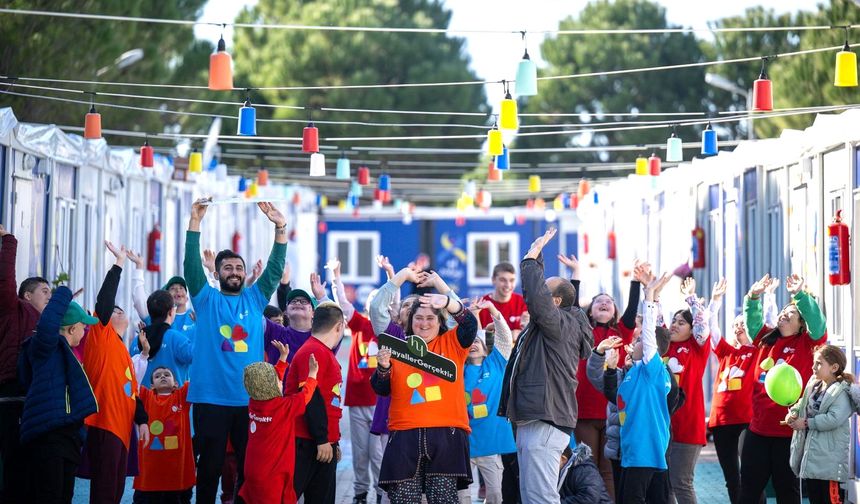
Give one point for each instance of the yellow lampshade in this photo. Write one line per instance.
(641, 166)
(494, 142)
(846, 68)
(508, 113)
(534, 183)
(195, 162)
(253, 190)
(558, 203)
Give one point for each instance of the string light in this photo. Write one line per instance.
(846, 66)
(147, 155)
(92, 122)
(526, 74)
(674, 148)
(221, 68)
(247, 119)
(508, 111)
(763, 90)
(709, 141)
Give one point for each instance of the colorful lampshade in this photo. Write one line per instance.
(262, 177)
(654, 165)
(322, 200)
(495, 146)
(253, 190)
(243, 184)
(846, 67)
(596, 198)
(93, 124)
(195, 162)
(508, 113)
(147, 155)
(317, 165)
(484, 199)
(526, 76)
(534, 183)
(709, 141)
(762, 100)
(503, 162)
(247, 119)
(641, 166)
(558, 203)
(493, 173)
(574, 201)
(385, 182)
(310, 139)
(342, 172)
(221, 69)
(363, 175)
(353, 201)
(355, 188)
(674, 149)
(582, 189)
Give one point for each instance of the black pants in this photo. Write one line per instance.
(763, 458)
(314, 479)
(644, 484)
(213, 424)
(727, 443)
(52, 461)
(823, 491)
(616, 478)
(14, 475)
(510, 479)
(177, 497)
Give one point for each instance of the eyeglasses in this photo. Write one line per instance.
(300, 301)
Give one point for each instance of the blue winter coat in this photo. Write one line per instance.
(58, 391)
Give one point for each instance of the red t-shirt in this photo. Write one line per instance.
(167, 462)
(270, 457)
(592, 402)
(362, 363)
(796, 350)
(732, 402)
(329, 381)
(512, 310)
(687, 361)
(111, 373)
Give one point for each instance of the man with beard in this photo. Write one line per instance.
(229, 337)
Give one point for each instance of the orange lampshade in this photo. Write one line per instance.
(221, 69)
(93, 124)
(263, 177)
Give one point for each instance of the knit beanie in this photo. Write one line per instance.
(261, 381)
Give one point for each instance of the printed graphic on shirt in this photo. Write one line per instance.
(127, 387)
(768, 363)
(476, 400)
(730, 379)
(335, 401)
(368, 352)
(622, 406)
(674, 365)
(234, 338)
(165, 435)
(424, 387)
(252, 426)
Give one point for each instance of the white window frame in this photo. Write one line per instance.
(494, 238)
(352, 237)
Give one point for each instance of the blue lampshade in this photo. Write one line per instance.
(342, 169)
(355, 188)
(243, 184)
(526, 76)
(709, 141)
(247, 120)
(674, 149)
(596, 199)
(384, 182)
(503, 162)
(353, 200)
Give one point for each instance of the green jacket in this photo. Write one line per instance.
(821, 452)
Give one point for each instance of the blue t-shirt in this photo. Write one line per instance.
(491, 434)
(175, 354)
(229, 336)
(644, 415)
(182, 323)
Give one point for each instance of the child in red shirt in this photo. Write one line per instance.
(270, 458)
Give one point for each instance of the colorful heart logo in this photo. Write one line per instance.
(620, 402)
(239, 333)
(478, 397)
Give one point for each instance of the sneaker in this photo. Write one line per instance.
(360, 498)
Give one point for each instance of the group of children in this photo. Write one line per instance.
(641, 419)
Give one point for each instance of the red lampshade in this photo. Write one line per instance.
(363, 176)
(263, 177)
(93, 124)
(762, 94)
(654, 165)
(310, 139)
(574, 201)
(221, 69)
(377, 195)
(147, 155)
(493, 174)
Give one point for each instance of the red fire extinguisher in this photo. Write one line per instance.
(236, 241)
(698, 250)
(153, 249)
(840, 257)
(610, 245)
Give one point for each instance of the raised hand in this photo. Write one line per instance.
(120, 253)
(283, 350)
(541, 241)
(434, 301)
(642, 272)
(771, 287)
(688, 287)
(719, 290)
(136, 259)
(408, 274)
(285, 276)
(794, 283)
(612, 358)
(383, 262)
(760, 286)
(572, 264)
(143, 343)
(198, 210)
(475, 306)
(333, 264)
(610, 342)
(272, 213)
(383, 358)
(317, 286)
(3, 231)
(209, 260)
(255, 272)
(652, 290)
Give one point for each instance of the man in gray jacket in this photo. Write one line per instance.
(540, 380)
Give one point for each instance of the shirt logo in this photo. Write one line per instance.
(234, 338)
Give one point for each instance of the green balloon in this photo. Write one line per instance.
(783, 384)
